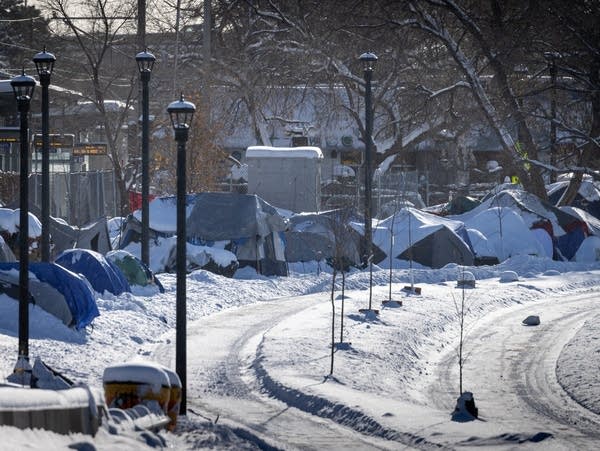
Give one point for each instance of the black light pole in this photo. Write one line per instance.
(181, 113)
(368, 59)
(145, 61)
(44, 63)
(23, 86)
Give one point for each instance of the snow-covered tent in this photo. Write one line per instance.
(564, 231)
(253, 228)
(92, 236)
(9, 231)
(224, 226)
(506, 234)
(424, 238)
(55, 289)
(587, 198)
(102, 274)
(6, 254)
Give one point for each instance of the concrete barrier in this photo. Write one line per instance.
(67, 411)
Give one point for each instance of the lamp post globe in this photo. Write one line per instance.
(145, 62)
(181, 113)
(368, 60)
(44, 63)
(23, 87)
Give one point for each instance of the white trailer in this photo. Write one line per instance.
(286, 177)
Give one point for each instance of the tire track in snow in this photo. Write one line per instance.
(512, 373)
(340, 413)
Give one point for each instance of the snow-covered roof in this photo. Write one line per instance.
(284, 152)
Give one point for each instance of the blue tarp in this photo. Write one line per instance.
(102, 274)
(75, 291)
(569, 243)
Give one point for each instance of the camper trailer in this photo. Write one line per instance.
(286, 177)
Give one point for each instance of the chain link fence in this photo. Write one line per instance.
(80, 197)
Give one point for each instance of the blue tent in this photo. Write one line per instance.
(102, 274)
(54, 289)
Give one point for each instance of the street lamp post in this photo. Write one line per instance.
(23, 87)
(145, 61)
(368, 59)
(181, 113)
(44, 63)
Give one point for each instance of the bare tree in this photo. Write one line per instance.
(462, 306)
(97, 59)
(207, 163)
(341, 261)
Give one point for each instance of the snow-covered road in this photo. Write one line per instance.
(222, 383)
(511, 369)
(237, 362)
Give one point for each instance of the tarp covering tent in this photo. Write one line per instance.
(100, 272)
(592, 222)
(318, 236)
(243, 224)
(534, 213)
(587, 198)
(55, 289)
(134, 270)
(252, 226)
(425, 238)
(493, 223)
(459, 205)
(63, 236)
(530, 207)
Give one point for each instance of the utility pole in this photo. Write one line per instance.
(141, 24)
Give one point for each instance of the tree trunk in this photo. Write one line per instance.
(591, 147)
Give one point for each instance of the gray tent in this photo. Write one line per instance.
(439, 248)
(252, 226)
(318, 236)
(424, 238)
(93, 236)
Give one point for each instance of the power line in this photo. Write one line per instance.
(27, 19)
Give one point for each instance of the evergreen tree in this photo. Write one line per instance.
(23, 32)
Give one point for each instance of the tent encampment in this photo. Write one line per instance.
(102, 274)
(55, 289)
